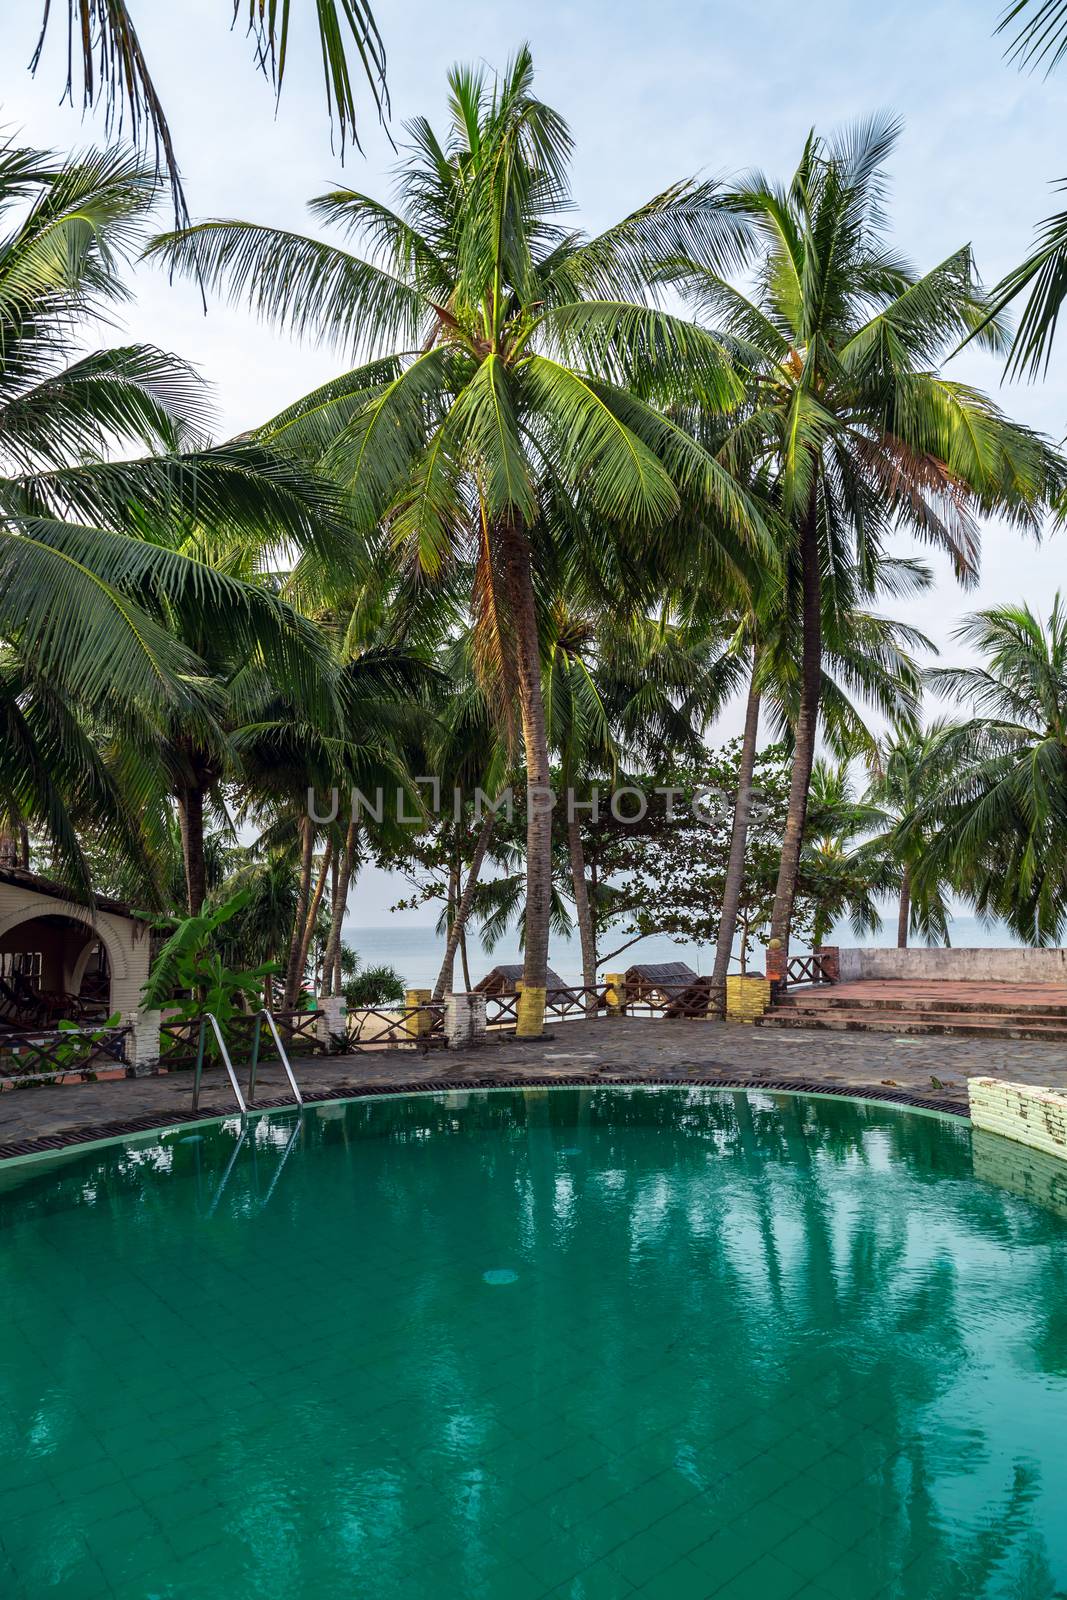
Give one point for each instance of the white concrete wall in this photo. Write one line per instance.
(1008, 966)
(1039, 1178)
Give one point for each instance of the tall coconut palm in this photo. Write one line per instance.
(867, 661)
(996, 819)
(513, 353)
(859, 433)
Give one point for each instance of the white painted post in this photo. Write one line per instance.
(464, 1020)
(331, 1018)
(144, 1044)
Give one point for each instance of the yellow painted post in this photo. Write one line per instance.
(418, 1001)
(531, 1012)
(746, 998)
(615, 993)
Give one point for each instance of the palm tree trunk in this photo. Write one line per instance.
(332, 959)
(582, 910)
(735, 866)
(456, 938)
(806, 729)
(191, 821)
(904, 915)
(327, 968)
(518, 566)
(467, 985)
(313, 910)
(446, 976)
(295, 969)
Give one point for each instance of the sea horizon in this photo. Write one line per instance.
(415, 950)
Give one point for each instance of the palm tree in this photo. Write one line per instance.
(1041, 40)
(102, 40)
(624, 691)
(468, 754)
(282, 751)
(838, 875)
(516, 361)
(1044, 275)
(97, 592)
(906, 779)
(995, 821)
(858, 432)
(866, 657)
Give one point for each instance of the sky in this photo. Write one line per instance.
(652, 94)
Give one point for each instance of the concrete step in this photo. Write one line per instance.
(826, 1000)
(969, 1025)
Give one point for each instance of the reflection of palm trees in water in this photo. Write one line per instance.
(773, 1308)
(769, 1294)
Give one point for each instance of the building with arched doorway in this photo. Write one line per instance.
(77, 958)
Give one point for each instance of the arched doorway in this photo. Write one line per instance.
(53, 967)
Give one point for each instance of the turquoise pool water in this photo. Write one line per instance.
(582, 1343)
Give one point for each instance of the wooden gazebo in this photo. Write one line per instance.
(666, 976)
(502, 979)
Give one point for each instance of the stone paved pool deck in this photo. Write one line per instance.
(932, 1072)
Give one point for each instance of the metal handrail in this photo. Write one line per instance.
(283, 1057)
(209, 1016)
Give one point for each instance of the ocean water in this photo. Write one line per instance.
(415, 950)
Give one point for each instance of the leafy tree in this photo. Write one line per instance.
(370, 986)
(518, 366)
(190, 976)
(623, 691)
(666, 873)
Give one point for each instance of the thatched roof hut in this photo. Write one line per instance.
(654, 974)
(502, 979)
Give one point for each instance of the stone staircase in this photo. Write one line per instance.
(981, 1010)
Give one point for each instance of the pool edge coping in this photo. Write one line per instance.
(91, 1134)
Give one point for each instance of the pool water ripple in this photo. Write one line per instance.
(750, 1345)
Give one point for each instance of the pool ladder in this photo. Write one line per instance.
(243, 1104)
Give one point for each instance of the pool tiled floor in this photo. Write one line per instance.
(752, 1347)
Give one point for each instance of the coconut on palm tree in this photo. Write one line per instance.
(515, 361)
(856, 429)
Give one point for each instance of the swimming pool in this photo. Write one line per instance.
(571, 1343)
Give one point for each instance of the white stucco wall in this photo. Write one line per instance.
(126, 939)
(1010, 965)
